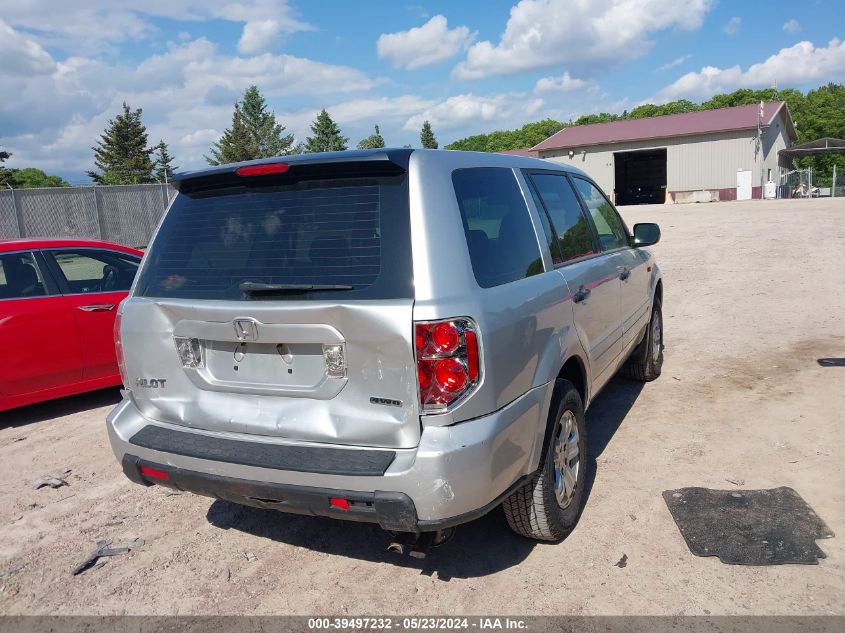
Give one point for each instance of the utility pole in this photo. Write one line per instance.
(16, 206)
(760, 149)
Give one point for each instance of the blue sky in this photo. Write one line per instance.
(468, 67)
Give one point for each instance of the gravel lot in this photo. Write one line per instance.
(754, 295)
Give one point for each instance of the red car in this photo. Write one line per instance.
(58, 300)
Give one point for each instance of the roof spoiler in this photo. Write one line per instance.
(284, 169)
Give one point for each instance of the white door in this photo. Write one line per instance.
(743, 184)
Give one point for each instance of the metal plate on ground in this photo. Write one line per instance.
(832, 362)
(748, 527)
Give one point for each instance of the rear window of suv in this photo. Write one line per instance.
(338, 232)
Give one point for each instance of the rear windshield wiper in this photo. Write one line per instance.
(256, 287)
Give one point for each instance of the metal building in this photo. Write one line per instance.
(724, 154)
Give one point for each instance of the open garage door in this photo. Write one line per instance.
(640, 176)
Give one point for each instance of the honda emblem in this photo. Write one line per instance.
(246, 329)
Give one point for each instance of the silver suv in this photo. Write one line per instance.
(403, 337)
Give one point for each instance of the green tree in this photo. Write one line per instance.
(267, 134)
(427, 138)
(30, 178)
(236, 144)
(533, 133)
(527, 136)
(164, 163)
(4, 173)
(255, 133)
(122, 155)
(325, 135)
(823, 115)
(603, 117)
(373, 141)
(649, 110)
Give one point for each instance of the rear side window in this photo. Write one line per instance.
(500, 236)
(572, 237)
(609, 226)
(20, 277)
(339, 232)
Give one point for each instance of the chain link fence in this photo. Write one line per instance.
(125, 214)
(796, 183)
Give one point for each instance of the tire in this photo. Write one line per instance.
(534, 510)
(646, 363)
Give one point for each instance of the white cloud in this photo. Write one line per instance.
(258, 36)
(204, 137)
(186, 93)
(84, 26)
(562, 83)
(22, 55)
(431, 43)
(502, 109)
(732, 26)
(674, 63)
(792, 26)
(585, 36)
(797, 65)
(376, 110)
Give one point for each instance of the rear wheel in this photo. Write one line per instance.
(548, 506)
(646, 362)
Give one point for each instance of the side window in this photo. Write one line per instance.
(548, 231)
(87, 271)
(502, 243)
(609, 226)
(572, 231)
(20, 276)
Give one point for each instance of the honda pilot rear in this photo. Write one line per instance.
(391, 336)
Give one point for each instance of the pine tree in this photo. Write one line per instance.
(373, 141)
(255, 133)
(265, 130)
(122, 155)
(326, 136)
(164, 163)
(236, 144)
(427, 136)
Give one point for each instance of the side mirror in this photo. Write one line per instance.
(646, 234)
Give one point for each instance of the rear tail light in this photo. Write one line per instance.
(118, 350)
(154, 473)
(262, 170)
(448, 366)
(337, 502)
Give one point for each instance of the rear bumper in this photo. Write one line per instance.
(456, 474)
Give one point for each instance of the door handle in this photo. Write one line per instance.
(624, 274)
(97, 307)
(581, 294)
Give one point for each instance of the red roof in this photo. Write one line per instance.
(527, 152)
(688, 123)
